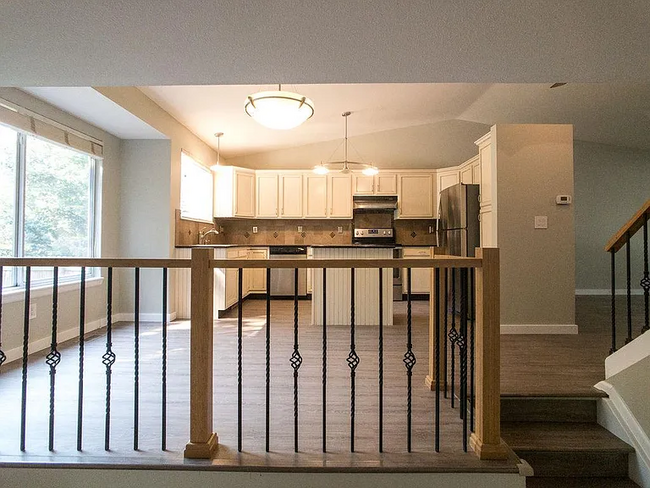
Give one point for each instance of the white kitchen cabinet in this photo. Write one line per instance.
(340, 196)
(466, 175)
(291, 196)
(267, 195)
(257, 275)
(476, 171)
(448, 178)
(315, 204)
(363, 185)
(310, 272)
(488, 227)
(415, 196)
(488, 172)
(385, 184)
(420, 277)
(234, 194)
(232, 277)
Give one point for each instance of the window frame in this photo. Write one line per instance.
(185, 215)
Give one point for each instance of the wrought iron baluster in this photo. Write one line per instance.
(108, 359)
(446, 321)
(472, 323)
(437, 354)
(324, 371)
(23, 402)
(136, 360)
(613, 306)
(268, 360)
(163, 416)
(240, 385)
(462, 352)
(453, 336)
(629, 288)
(296, 360)
(82, 346)
(3, 356)
(353, 362)
(381, 361)
(645, 281)
(53, 358)
(409, 360)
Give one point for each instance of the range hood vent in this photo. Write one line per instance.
(372, 203)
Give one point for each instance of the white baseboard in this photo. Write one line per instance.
(144, 317)
(615, 415)
(44, 343)
(627, 355)
(607, 291)
(539, 329)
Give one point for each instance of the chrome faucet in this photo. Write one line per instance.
(203, 234)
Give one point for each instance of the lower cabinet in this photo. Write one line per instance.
(420, 277)
(257, 275)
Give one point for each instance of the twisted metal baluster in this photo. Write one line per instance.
(409, 360)
(446, 320)
(613, 303)
(628, 275)
(108, 359)
(353, 362)
(82, 346)
(136, 361)
(296, 360)
(3, 357)
(437, 342)
(324, 371)
(645, 282)
(240, 386)
(472, 305)
(53, 358)
(23, 401)
(453, 335)
(381, 361)
(163, 419)
(268, 359)
(462, 352)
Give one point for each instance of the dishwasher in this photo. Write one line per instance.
(283, 279)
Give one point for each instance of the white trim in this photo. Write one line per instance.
(628, 355)
(539, 329)
(144, 317)
(607, 291)
(44, 343)
(16, 294)
(615, 415)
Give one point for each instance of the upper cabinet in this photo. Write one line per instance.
(340, 196)
(291, 195)
(380, 184)
(315, 205)
(267, 195)
(234, 194)
(416, 196)
(447, 178)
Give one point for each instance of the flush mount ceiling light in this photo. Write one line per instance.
(346, 166)
(215, 167)
(279, 109)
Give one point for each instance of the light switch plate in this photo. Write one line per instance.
(33, 311)
(300, 228)
(254, 230)
(541, 222)
(340, 229)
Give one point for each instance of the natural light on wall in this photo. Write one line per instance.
(196, 190)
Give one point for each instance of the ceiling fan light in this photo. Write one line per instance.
(321, 169)
(280, 110)
(370, 171)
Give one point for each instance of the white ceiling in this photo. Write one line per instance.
(604, 113)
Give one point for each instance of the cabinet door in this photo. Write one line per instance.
(291, 196)
(363, 185)
(258, 276)
(340, 196)
(244, 194)
(487, 169)
(420, 277)
(267, 195)
(416, 196)
(315, 196)
(488, 228)
(476, 173)
(231, 286)
(466, 175)
(386, 184)
(447, 179)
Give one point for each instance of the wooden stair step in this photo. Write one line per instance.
(548, 409)
(563, 482)
(575, 449)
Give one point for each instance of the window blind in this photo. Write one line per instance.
(27, 121)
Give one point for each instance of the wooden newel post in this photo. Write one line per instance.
(203, 441)
(486, 438)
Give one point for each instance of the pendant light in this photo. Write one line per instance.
(346, 166)
(281, 110)
(215, 167)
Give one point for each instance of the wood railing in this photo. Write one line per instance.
(476, 339)
(622, 239)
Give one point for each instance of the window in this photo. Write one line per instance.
(196, 190)
(47, 204)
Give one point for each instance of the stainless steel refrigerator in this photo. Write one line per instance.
(458, 225)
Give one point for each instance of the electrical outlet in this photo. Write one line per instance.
(254, 230)
(340, 229)
(300, 228)
(431, 229)
(32, 310)
(541, 222)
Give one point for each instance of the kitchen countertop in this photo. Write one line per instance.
(220, 246)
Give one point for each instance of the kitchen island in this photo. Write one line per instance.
(338, 287)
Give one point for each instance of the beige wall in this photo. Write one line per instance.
(534, 164)
(633, 384)
(12, 311)
(611, 184)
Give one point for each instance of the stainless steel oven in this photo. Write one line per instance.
(283, 279)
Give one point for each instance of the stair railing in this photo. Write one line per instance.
(622, 240)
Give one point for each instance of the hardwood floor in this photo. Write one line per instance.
(530, 365)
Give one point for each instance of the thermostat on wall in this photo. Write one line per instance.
(563, 199)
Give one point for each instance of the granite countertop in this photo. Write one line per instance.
(398, 246)
(199, 246)
(384, 246)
